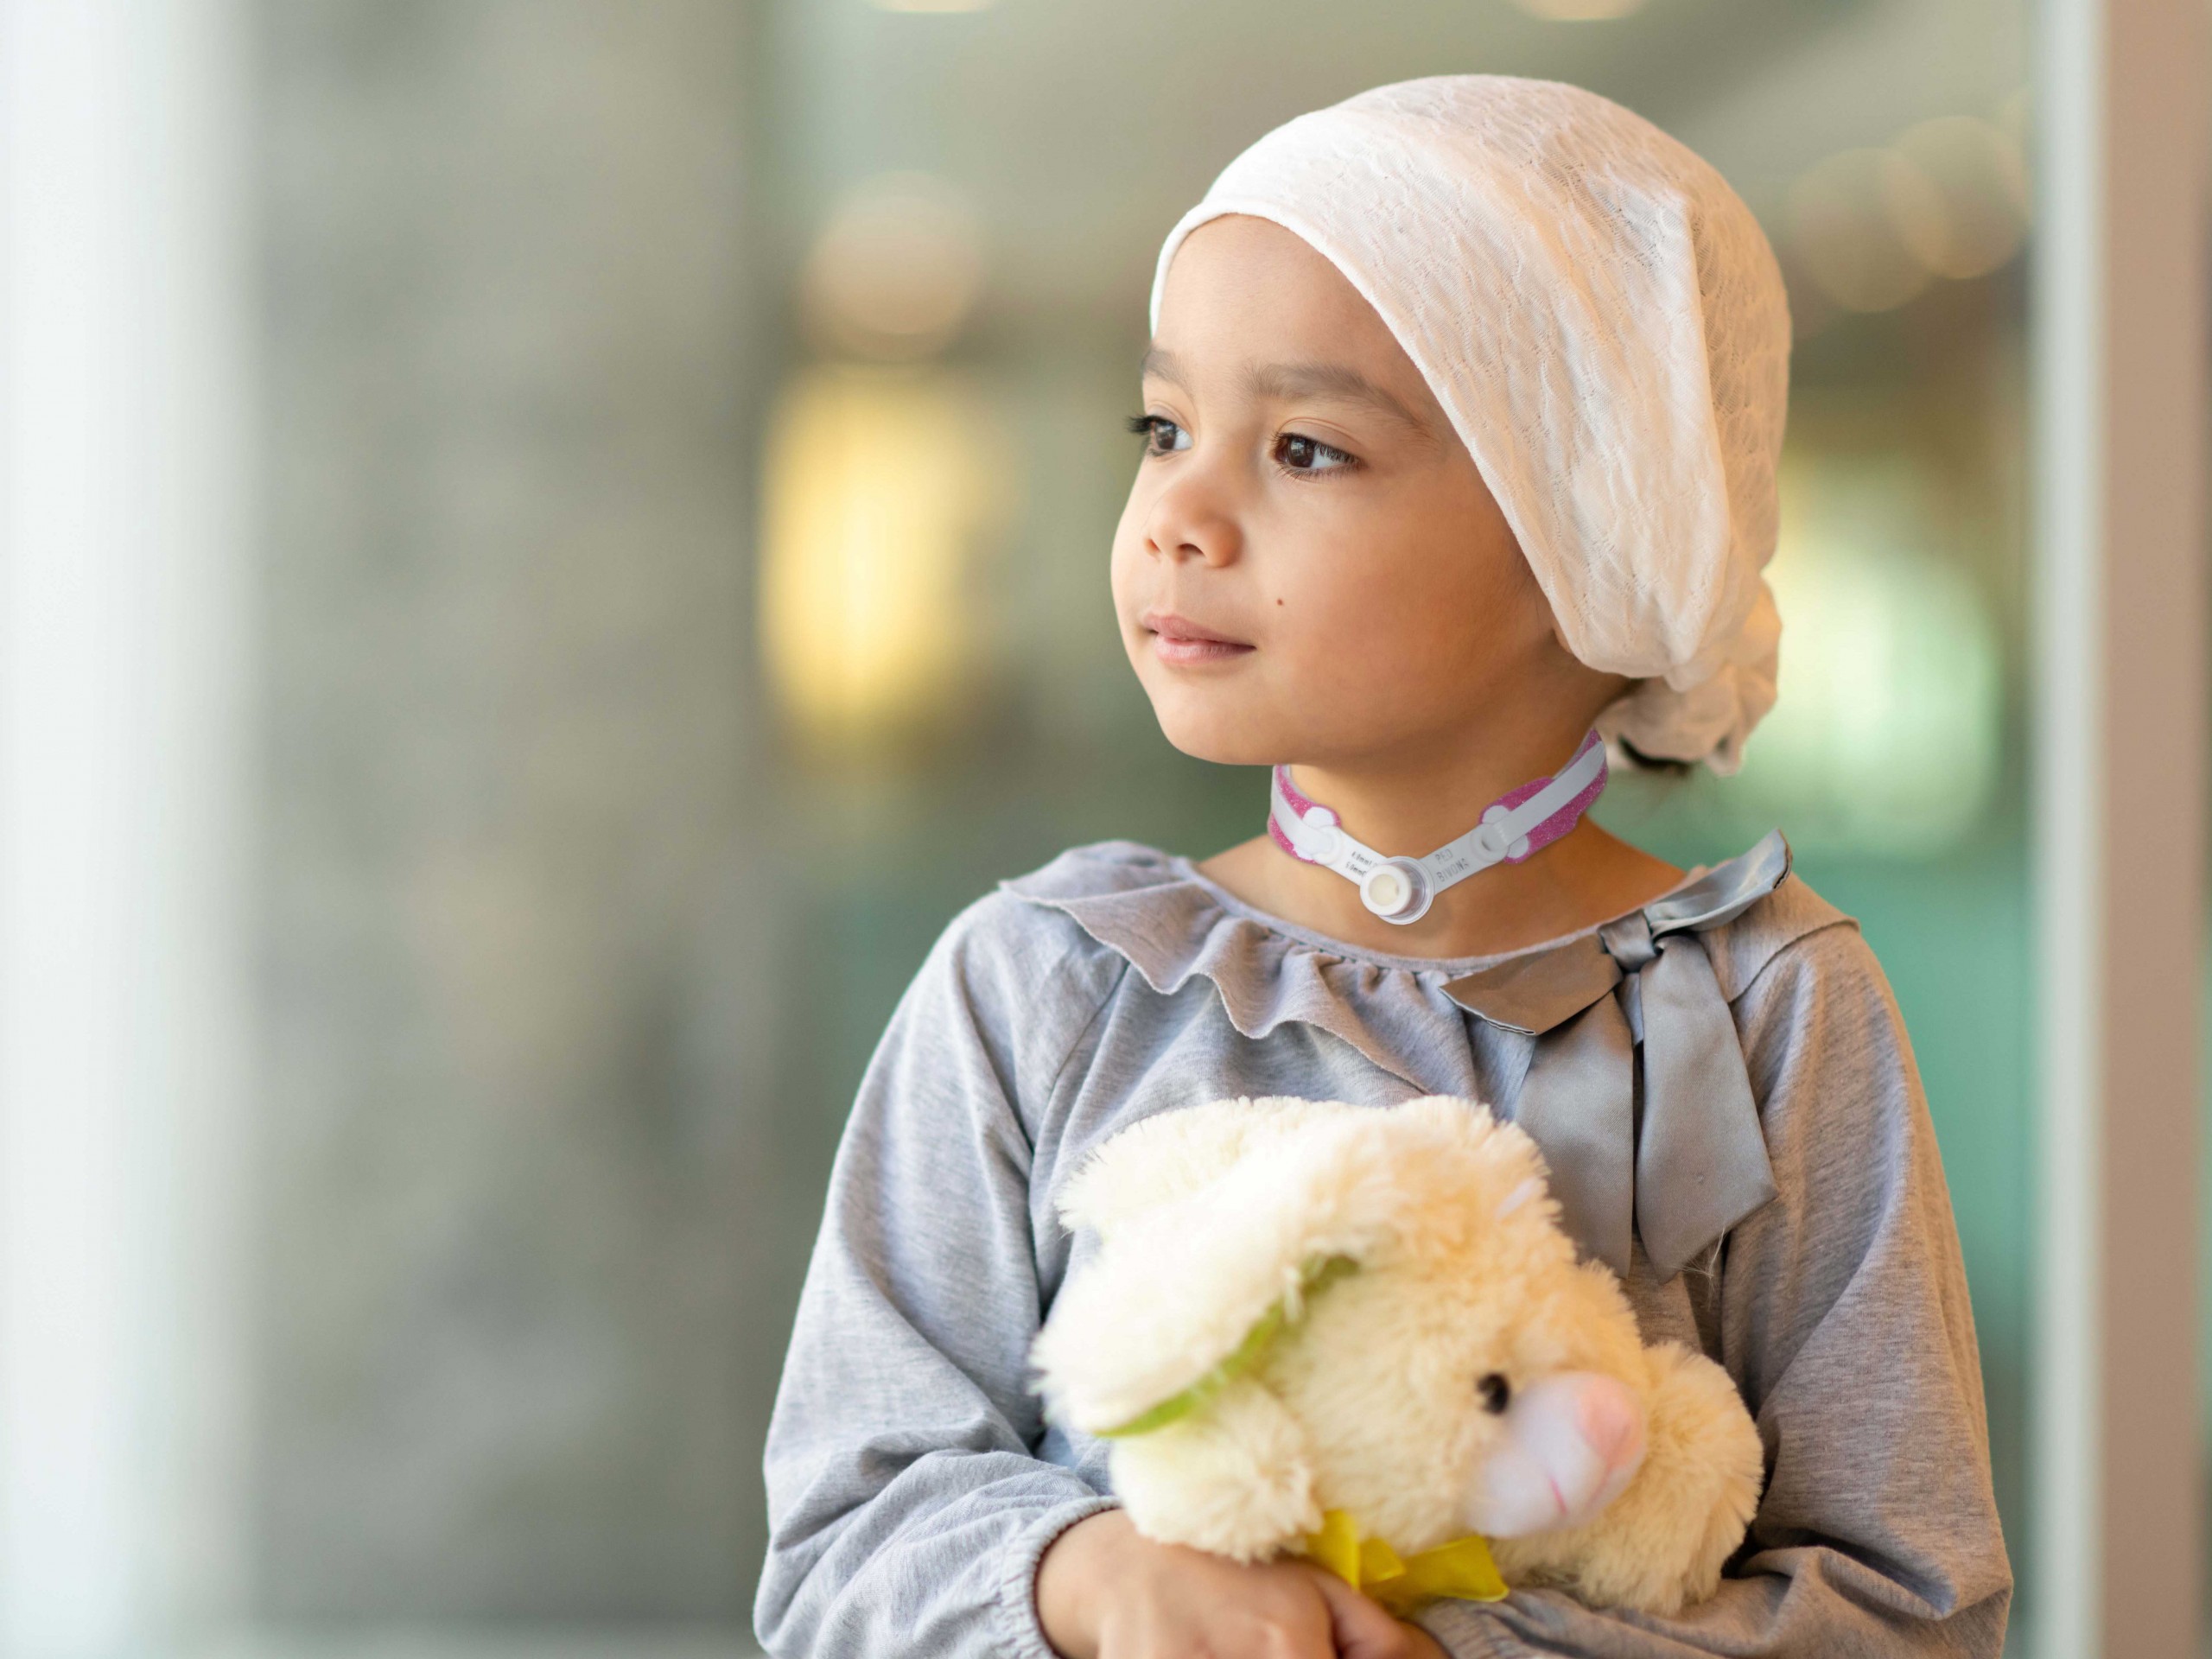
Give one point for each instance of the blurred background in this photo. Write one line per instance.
(672, 448)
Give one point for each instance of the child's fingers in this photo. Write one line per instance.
(1179, 1602)
(1361, 1629)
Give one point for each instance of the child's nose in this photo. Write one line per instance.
(1187, 522)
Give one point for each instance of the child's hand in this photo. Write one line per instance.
(1105, 1591)
(1363, 1630)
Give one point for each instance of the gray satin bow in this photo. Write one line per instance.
(1637, 1093)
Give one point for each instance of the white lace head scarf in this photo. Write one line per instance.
(1601, 317)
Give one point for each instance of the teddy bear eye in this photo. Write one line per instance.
(1496, 1391)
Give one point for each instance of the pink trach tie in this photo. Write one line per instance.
(1400, 889)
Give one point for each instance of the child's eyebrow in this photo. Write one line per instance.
(1330, 380)
(1298, 380)
(1160, 364)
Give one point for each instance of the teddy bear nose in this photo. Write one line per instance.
(1609, 1421)
(1571, 1443)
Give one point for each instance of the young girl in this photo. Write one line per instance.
(1462, 413)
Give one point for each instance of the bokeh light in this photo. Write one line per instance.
(1856, 220)
(1981, 181)
(895, 270)
(1580, 11)
(1872, 226)
(1887, 735)
(882, 486)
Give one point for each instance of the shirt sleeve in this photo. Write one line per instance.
(907, 1508)
(1845, 1323)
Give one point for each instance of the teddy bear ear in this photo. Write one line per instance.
(1531, 1187)
(1188, 1294)
(1168, 1156)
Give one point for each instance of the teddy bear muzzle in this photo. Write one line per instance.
(1570, 1444)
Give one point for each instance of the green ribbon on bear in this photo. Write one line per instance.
(1312, 1279)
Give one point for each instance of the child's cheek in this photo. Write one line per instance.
(1129, 574)
(1367, 627)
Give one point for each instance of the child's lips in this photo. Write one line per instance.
(1182, 643)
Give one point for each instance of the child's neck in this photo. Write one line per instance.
(1414, 805)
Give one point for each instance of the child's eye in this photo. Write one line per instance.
(1160, 435)
(1294, 454)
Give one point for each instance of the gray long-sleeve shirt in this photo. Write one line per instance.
(913, 1484)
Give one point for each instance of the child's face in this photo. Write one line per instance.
(1309, 568)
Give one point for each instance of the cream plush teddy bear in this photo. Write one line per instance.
(1358, 1334)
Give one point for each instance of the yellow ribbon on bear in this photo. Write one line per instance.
(1460, 1567)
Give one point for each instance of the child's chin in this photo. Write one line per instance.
(1213, 736)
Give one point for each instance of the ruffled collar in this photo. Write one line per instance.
(1624, 1015)
(1172, 923)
